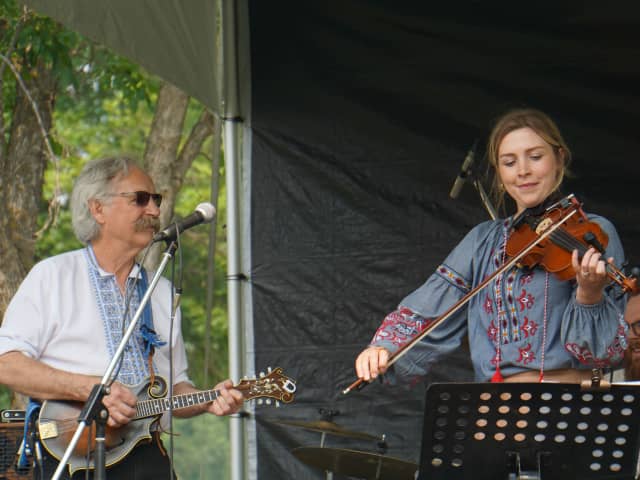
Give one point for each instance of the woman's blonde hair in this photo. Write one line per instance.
(540, 123)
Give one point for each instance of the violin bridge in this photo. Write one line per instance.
(543, 225)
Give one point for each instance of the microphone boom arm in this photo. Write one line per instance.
(486, 201)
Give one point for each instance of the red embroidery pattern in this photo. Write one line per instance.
(488, 304)
(526, 355)
(496, 359)
(492, 331)
(619, 345)
(502, 320)
(400, 326)
(453, 277)
(529, 327)
(525, 300)
(526, 278)
(586, 357)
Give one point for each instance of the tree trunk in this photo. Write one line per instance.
(165, 162)
(22, 172)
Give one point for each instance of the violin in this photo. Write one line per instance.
(553, 253)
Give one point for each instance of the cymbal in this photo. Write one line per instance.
(355, 463)
(324, 426)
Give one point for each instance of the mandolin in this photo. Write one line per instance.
(58, 420)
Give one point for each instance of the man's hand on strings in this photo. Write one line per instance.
(121, 403)
(229, 401)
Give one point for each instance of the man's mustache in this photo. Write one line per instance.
(145, 222)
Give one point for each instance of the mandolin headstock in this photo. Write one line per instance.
(272, 385)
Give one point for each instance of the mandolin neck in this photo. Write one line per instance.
(157, 406)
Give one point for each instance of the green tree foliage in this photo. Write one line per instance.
(26, 40)
(193, 462)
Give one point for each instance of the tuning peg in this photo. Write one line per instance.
(262, 375)
(268, 401)
(245, 378)
(277, 404)
(269, 369)
(259, 401)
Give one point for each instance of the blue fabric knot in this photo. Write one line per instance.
(149, 336)
(151, 339)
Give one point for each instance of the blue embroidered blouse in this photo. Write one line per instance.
(524, 319)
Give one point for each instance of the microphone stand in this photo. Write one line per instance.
(486, 201)
(93, 408)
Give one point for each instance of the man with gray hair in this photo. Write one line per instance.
(631, 362)
(65, 322)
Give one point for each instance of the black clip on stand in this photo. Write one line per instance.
(93, 409)
(530, 431)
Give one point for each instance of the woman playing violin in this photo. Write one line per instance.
(526, 324)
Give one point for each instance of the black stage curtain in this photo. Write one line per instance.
(362, 113)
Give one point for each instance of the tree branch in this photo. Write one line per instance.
(12, 46)
(54, 206)
(192, 147)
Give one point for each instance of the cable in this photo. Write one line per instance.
(175, 303)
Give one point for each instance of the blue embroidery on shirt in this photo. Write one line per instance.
(134, 367)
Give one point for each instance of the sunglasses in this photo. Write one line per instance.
(142, 198)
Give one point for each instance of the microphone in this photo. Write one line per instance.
(204, 213)
(465, 171)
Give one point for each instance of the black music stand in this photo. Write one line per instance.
(533, 431)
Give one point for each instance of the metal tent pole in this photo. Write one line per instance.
(236, 428)
(232, 121)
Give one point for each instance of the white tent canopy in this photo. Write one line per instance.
(176, 43)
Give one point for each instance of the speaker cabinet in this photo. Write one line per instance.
(10, 439)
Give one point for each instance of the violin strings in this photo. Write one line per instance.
(567, 241)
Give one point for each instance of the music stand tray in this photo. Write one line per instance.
(518, 431)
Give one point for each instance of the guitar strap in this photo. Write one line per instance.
(149, 335)
(30, 446)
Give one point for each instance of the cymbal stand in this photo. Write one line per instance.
(328, 416)
(382, 444)
(328, 473)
